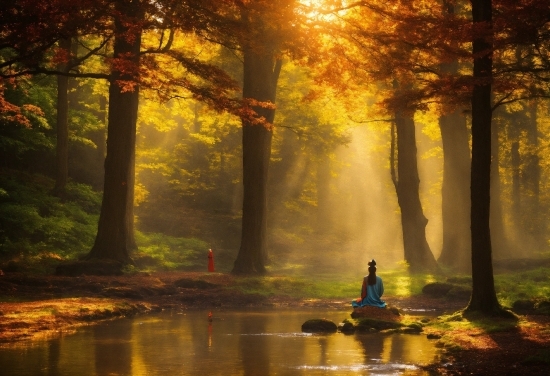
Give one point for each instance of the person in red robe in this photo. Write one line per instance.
(210, 261)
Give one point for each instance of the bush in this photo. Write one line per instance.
(170, 253)
(33, 221)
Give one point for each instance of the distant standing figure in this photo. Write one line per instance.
(372, 289)
(210, 261)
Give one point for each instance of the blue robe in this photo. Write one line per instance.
(374, 292)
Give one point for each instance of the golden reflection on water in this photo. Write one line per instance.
(234, 343)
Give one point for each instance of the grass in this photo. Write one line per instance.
(532, 284)
(397, 283)
(459, 331)
(324, 286)
(163, 252)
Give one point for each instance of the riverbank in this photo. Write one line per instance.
(42, 307)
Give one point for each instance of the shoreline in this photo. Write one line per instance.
(37, 308)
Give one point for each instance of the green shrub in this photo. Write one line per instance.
(33, 221)
(171, 253)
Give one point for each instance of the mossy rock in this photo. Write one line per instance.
(346, 327)
(319, 326)
(437, 289)
(527, 306)
(523, 306)
(416, 326)
(386, 314)
(368, 324)
(447, 290)
(543, 307)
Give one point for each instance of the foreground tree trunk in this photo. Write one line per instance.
(261, 72)
(407, 184)
(483, 297)
(114, 239)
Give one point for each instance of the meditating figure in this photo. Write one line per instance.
(372, 289)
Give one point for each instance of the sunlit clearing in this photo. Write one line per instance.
(403, 286)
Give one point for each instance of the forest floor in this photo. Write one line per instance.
(43, 307)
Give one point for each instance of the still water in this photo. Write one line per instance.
(251, 343)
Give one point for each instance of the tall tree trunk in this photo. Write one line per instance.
(532, 176)
(99, 138)
(499, 238)
(484, 298)
(455, 191)
(516, 172)
(261, 72)
(407, 186)
(62, 124)
(114, 239)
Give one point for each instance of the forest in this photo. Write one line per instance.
(295, 139)
(291, 137)
(143, 132)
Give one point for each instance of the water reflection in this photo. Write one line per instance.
(54, 352)
(254, 349)
(234, 343)
(112, 355)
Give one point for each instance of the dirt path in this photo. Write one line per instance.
(54, 305)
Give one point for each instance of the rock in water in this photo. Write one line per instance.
(386, 314)
(319, 326)
(346, 327)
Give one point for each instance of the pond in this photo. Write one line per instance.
(235, 343)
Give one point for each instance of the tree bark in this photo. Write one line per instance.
(455, 192)
(483, 297)
(499, 238)
(261, 72)
(413, 222)
(99, 138)
(62, 125)
(532, 177)
(114, 239)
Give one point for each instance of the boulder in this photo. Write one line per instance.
(437, 289)
(543, 307)
(319, 326)
(346, 327)
(386, 314)
(523, 306)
